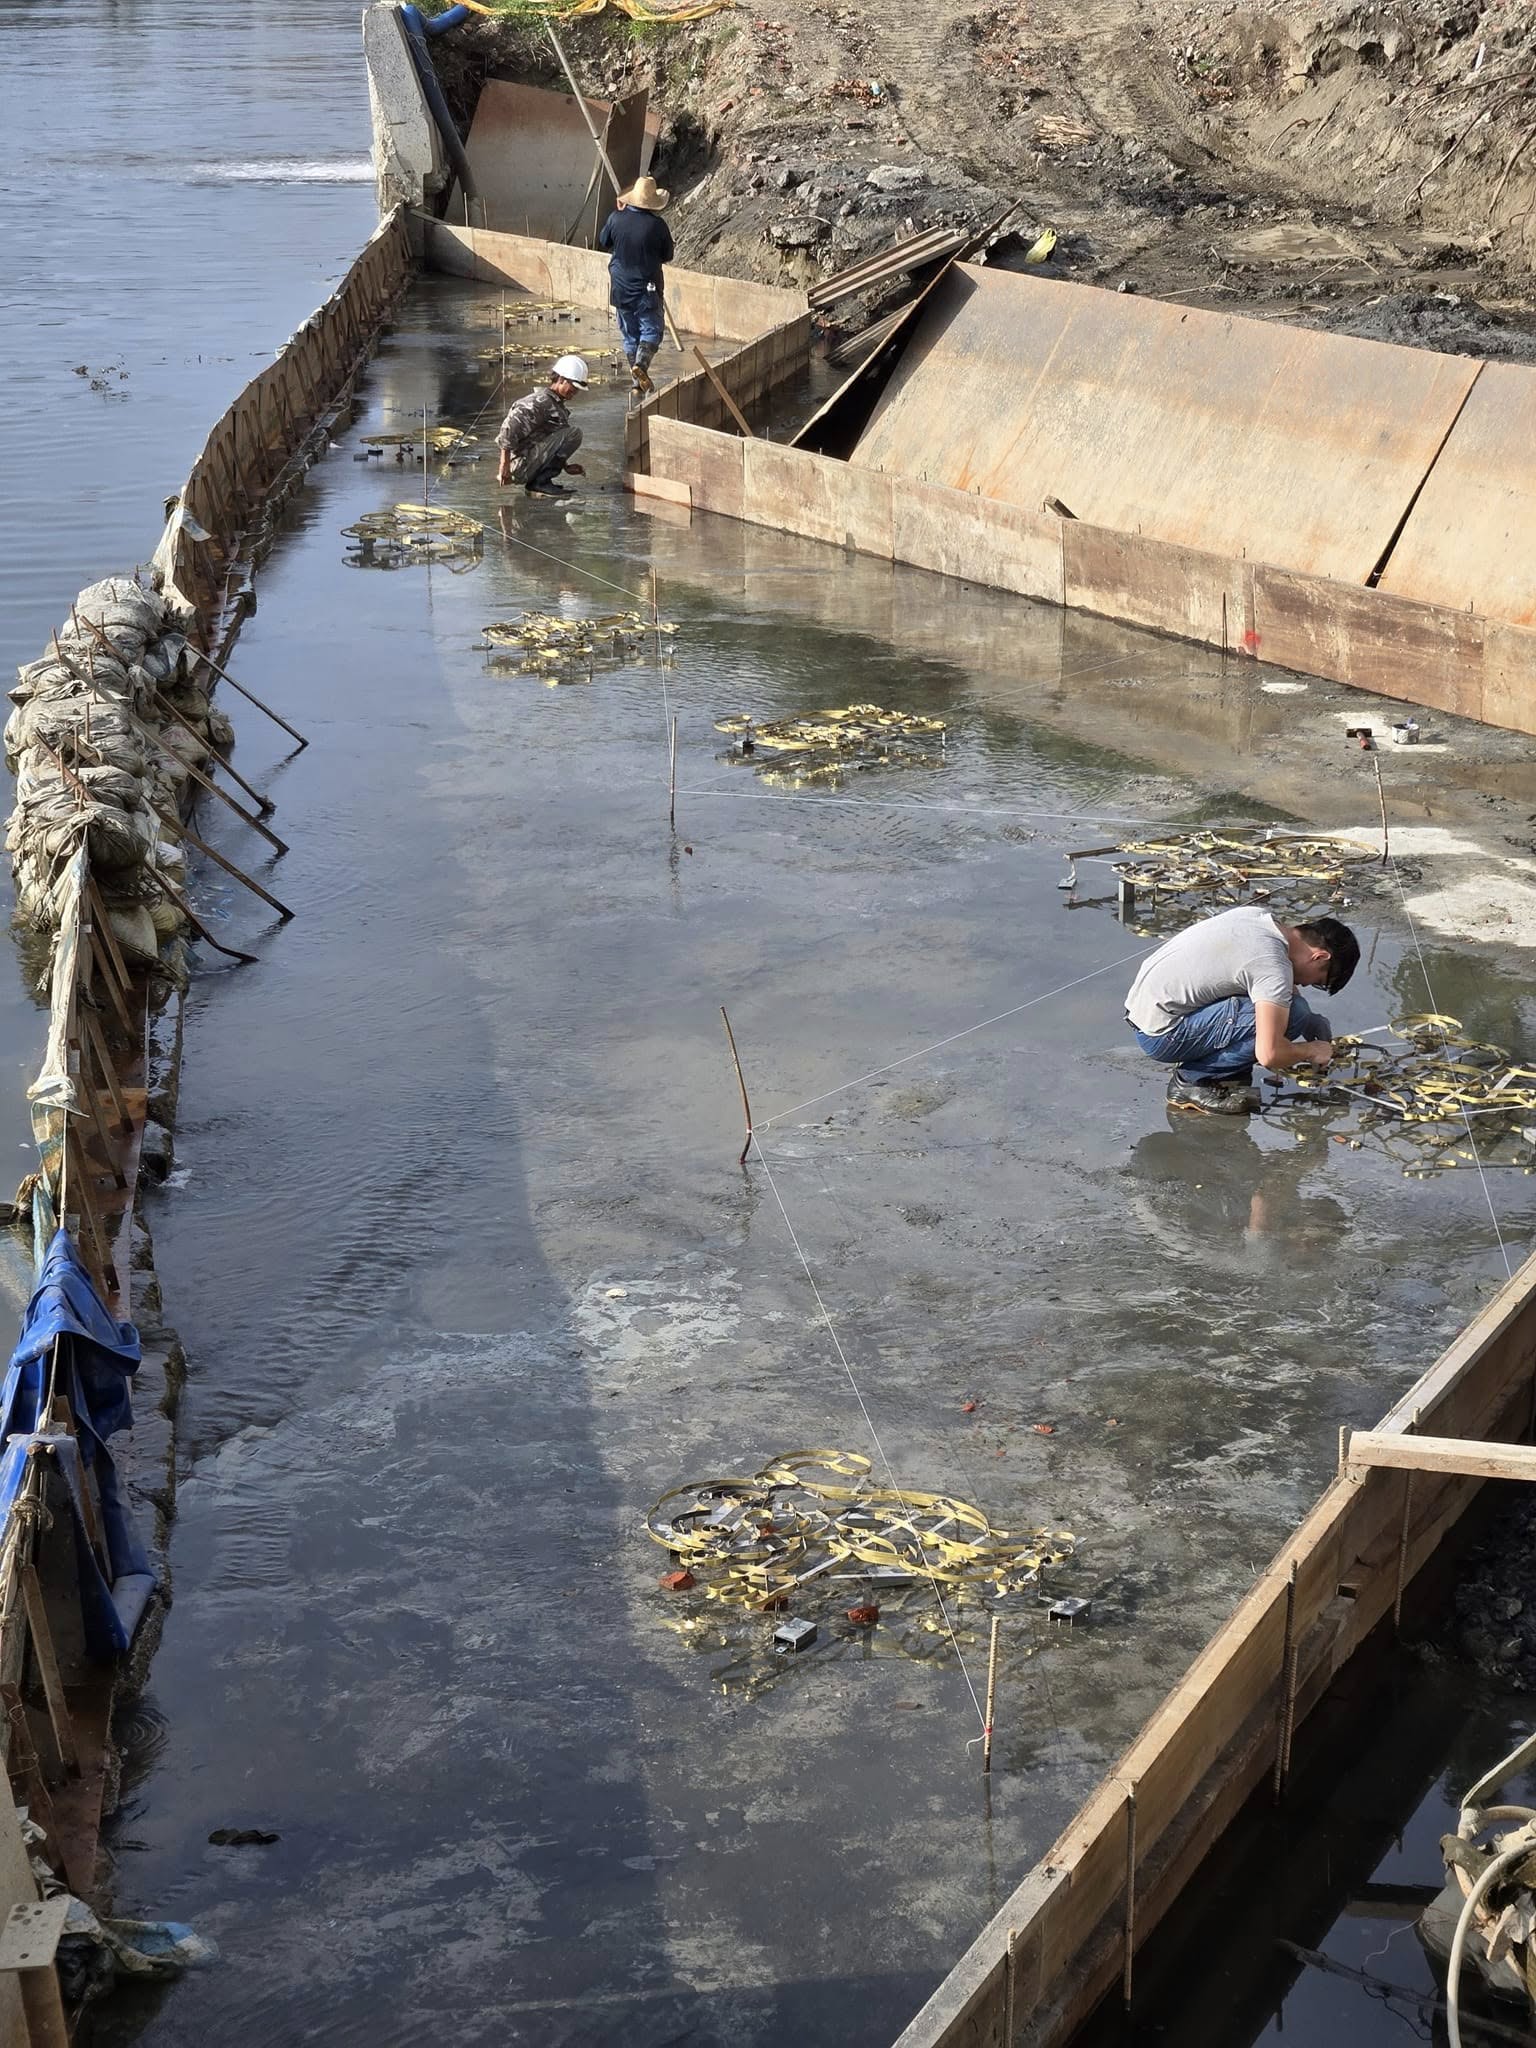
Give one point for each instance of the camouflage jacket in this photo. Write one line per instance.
(533, 417)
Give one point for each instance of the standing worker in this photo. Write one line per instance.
(639, 242)
(537, 439)
(1218, 997)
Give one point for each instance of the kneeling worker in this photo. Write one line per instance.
(1222, 995)
(537, 439)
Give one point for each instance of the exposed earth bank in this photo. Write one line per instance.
(1367, 169)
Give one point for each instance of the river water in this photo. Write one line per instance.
(457, 1242)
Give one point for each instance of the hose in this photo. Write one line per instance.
(1506, 1860)
(416, 32)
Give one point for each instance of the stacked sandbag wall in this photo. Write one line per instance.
(94, 751)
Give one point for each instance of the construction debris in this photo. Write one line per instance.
(415, 533)
(821, 750)
(1168, 882)
(1432, 1099)
(809, 1527)
(568, 650)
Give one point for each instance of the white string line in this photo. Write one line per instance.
(939, 1043)
(869, 1423)
(876, 803)
(1435, 1007)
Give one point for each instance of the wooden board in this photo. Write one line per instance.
(1241, 438)
(1214, 1739)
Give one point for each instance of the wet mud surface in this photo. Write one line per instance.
(468, 1273)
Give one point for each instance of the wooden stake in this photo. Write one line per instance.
(101, 929)
(93, 1106)
(1010, 1987)
(264, 804)
(251, 698)
(730, 404)
(98, 1044)
(986, 1726)
(1287, 1682)
(672, 780)
(1130, 1898)
(109, 979)
(742, 1085)
(1381, 798)
(1402, 1554)
(186, 832)
(48, 1666)
(81, 1173)
(181, 903)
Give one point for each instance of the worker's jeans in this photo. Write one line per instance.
(542, 460)
(1219, 1042)
(640, 317)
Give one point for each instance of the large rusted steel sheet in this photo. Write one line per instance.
(533, 159)
(1471, 538)
(1236, 437)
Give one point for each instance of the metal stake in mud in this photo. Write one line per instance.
(986, 1737)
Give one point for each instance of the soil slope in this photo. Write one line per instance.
(1366, 168)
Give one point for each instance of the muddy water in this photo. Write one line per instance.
(469, 1275)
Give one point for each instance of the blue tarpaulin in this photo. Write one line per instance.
(97, 1358)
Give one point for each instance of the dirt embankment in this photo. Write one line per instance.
(1366, 168)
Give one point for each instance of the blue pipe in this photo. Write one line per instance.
(416, 32)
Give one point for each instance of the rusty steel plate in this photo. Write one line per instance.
(533, 159)
(1238, 437)
(1471, 538)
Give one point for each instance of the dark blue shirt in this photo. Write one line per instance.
(640, 243)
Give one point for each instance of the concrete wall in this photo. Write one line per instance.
(408, 165)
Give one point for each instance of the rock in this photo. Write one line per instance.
(896, 177)
(156, 1152)
(797, 232)
(1510, 1650)
(1509, 1609)
(786, 179)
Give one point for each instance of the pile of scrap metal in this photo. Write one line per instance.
(108, 729)
(1487, 1911)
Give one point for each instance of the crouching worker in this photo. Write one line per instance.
(1219, 997)
(537, 439)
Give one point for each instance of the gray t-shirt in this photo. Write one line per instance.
(1236, 953)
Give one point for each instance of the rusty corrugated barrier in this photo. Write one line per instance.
(1238, 437)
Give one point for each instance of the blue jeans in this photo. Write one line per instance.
(639, 314)
(1218, 1043)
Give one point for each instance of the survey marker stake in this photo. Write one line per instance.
(742, 1085)
(986, 1732)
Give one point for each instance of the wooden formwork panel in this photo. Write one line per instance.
(1471, 537)
(1145, 582)
(709, 464)
(980, 540)
(1509, 675)
(1217, 1735)
(1237, 437)
(1417, 653)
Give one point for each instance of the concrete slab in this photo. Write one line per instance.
(1232, 436)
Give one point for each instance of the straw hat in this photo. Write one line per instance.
(647, 195)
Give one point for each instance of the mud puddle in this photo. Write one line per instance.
(468, 1276)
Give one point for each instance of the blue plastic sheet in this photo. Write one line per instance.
(97, 1358)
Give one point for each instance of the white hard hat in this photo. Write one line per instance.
(572, 368)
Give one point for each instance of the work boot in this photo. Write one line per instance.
(642, 378)
(1235, 1097)
(550, 490)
